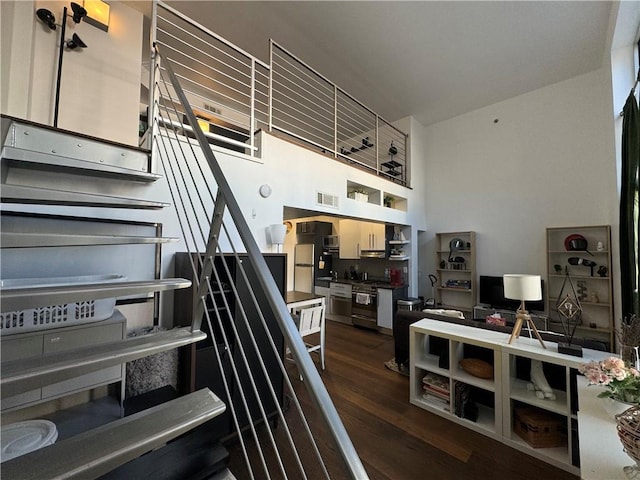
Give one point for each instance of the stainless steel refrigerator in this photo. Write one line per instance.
(303, 274)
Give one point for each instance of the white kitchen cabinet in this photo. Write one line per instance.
(372, 236)
(326, 293)
(349, 239)
(385, 308)
(356, 236)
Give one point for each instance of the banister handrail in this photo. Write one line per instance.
(267, 285)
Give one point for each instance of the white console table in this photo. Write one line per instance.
(601, 453)
(506, 390)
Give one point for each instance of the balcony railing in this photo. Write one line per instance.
(233, 95)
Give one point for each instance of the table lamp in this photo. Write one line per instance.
(523, 287)
(277, 231)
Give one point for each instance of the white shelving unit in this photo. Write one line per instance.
(432, 341)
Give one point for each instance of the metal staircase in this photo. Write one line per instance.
(33, 152)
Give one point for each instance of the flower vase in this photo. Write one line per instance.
(614, 407)
(629, 355)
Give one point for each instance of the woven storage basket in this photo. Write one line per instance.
(629, 431)
(539, 428)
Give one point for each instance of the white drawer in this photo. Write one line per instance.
(82, 337)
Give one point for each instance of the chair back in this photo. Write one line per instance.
(311, 320)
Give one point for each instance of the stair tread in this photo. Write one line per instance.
(47, 196)
(24, 240)
(28, 373)
(50, 162)
(100, 450)
(42, 296)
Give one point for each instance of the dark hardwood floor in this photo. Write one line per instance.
(394, 439)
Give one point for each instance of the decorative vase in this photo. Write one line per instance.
(628, 426)
(628, 354)
(614, 407)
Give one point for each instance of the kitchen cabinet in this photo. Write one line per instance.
(349, 239)
(326, 293)
(388, 304)
(385, 308)
(356, 236)
(372, 236)
(314, 228)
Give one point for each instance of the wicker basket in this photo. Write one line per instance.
(539, 428)
(629, 431)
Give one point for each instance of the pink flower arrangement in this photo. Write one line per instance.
(622, 382)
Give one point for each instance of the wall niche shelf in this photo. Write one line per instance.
(366, 194)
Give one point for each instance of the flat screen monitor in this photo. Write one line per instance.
(492, 294)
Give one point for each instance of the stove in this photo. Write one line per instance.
(364, 305)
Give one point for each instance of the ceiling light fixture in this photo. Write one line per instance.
(98, 13)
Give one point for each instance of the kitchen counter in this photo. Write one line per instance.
(373, 283)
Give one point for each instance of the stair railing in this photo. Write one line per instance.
(212, 222)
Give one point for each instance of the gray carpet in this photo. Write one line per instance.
(155, 371)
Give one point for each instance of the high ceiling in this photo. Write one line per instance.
(433, 60)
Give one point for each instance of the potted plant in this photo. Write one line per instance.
(621, 383)
(388, 201)
(359, 194)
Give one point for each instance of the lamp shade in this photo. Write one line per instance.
(277, 232)
(522, 287)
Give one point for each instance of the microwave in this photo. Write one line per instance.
(331, 242)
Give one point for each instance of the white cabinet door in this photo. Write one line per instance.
(372, 236)
(350, 239)
(385, 308)
(377, 236)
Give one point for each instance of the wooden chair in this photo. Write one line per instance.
(312, 321)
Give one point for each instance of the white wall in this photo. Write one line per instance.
(100, 87)
(510, 170)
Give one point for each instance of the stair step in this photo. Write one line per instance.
(30, 159)
(46, 196)
(196, 455)
(25, 240)
(23, 298)
(23, 375)
(55, 142)
(98, 451)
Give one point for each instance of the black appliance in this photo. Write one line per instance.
(492, 294)
(364, 306)
(314, 228)
(313, 233)
(331, 243)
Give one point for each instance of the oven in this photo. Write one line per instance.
(364, 306)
